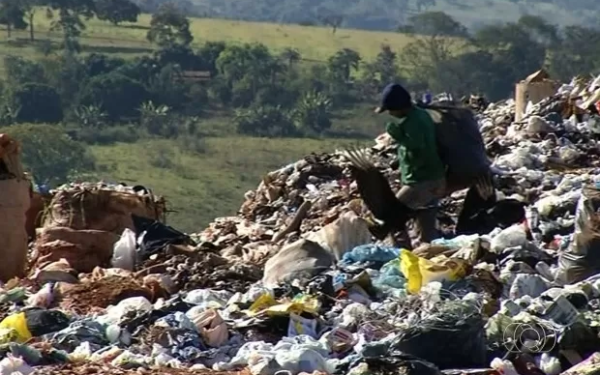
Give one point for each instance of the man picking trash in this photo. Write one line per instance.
(425, 172)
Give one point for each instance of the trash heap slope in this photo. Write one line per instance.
(295, 283)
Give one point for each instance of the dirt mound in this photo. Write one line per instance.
(102, 293)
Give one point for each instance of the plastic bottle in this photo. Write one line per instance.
(504, 367)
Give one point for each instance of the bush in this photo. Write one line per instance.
(98, 64)
(265, 121)
(118, 95)
(38, 103)
(50, 154)
(108, 135)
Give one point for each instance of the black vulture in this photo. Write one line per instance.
(481, 211)
(376, 192)
(482, 215)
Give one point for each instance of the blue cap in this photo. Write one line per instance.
(394, 97)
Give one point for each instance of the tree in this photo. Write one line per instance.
(343, 63)
(98, 64)
(50, 154)
(380, 72)
(84, 8)
(169, 26)
(542, 31)
(117, 11)
(427, 59)
(38, 103)
(117, 95)
(436, 23)
(245, 70)
(424, 4)
(516, 53)
(290, 55)
(30, 7)
(333, 20)
(179, 54)
(11, 14)
(313, 113)
(69, 20)
(209, 53)
(576, 52)
(20, 71)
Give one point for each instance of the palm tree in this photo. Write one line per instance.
(291, 55)
(343, 62)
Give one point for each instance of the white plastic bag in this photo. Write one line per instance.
(124, 251)
(12, 364)
(510, 237)
(43, 298)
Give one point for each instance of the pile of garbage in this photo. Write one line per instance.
(295, 284)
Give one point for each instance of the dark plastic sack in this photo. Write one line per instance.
(448, 339)
(41, 322)
(582, 259)
(158, 236)
(460, 144)
(400, 363)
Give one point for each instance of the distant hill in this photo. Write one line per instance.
(389, 14)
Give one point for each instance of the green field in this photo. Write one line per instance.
(200, 187)
(314, 43)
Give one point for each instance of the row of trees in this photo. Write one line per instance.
(66, 14)
(492, 59)
(276, 88)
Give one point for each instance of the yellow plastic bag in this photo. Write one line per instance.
(420, 271)
(17, 325)
(267, 304)
(261, 304)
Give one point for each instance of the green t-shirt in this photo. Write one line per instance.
(417, 147)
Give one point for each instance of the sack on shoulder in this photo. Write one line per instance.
(460, 143)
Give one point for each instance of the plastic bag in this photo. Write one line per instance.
(124, 251)
(370, 253)
(300, 260)
(17, 325)
(11, 365)
(300, 359)
(211, 326)
(118, 312)
(43, 298)
(302, 326)
(582, 259)
(420, 271)
(390, 276)
(510, 237)
(453, 337)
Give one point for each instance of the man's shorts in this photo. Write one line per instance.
(423, 194)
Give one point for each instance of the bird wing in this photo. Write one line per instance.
(474, 204)
(373, 186)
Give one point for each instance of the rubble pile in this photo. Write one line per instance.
(295, 284)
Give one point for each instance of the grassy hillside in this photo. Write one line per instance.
(210, 178)
(314, 43)
(200, 187)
